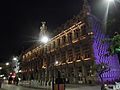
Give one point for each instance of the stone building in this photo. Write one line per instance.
(72, 52)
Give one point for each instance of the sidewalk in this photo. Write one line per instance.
(34, 84)
(67, 86)
(82, 87)
(73, 88)
(2, 89)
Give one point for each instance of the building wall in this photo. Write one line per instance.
(73, 52)
(71, 49)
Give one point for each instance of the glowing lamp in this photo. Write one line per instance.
(44, 39)
(7, 63)
(56, 62)
(15, 58)
(110, 0)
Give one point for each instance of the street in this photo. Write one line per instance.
(13, 87)
(82, 87)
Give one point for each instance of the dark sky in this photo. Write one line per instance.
(20, 21)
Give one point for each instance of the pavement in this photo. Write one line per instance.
(2, 89)
(85, 88)
(14, 87)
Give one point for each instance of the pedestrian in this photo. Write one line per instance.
(16, 80)
(10, 80)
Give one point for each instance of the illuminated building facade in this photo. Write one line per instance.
(73, 52)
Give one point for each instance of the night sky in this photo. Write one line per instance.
(20, 21)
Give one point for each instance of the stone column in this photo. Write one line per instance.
(76, 75)
(83, 71)
(67, 74)
(66, 38)
(73, 35)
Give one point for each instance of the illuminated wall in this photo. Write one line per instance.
(100, 50)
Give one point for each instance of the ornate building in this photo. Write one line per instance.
(73, 52)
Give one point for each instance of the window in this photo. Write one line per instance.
(53, 45)
(48, 47)
(70, 52)
(78, 57)
(77, 49)
(83, 30)
(58, 42)
(45, 49)
(57, 56)
(76, 33)
(69, 37)
(52, 59)
(87, 55)
(63, 54)
(63, 39)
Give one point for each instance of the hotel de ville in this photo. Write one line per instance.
(73, 51)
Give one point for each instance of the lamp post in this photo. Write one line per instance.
(0, 68)
(43, 38)
(15, 63)
(53, 72)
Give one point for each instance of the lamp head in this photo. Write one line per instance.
(44, 39)
(110, 0)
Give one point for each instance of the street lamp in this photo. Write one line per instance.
(110, 0)
(56, 62)
(20, 71)
(0, 68)
(44, 39)
(7, 63)
(15, 58)
(2, 75)
(4, 78)
(107, 3)
(15, 63)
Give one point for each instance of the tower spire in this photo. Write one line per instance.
(86, 8)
